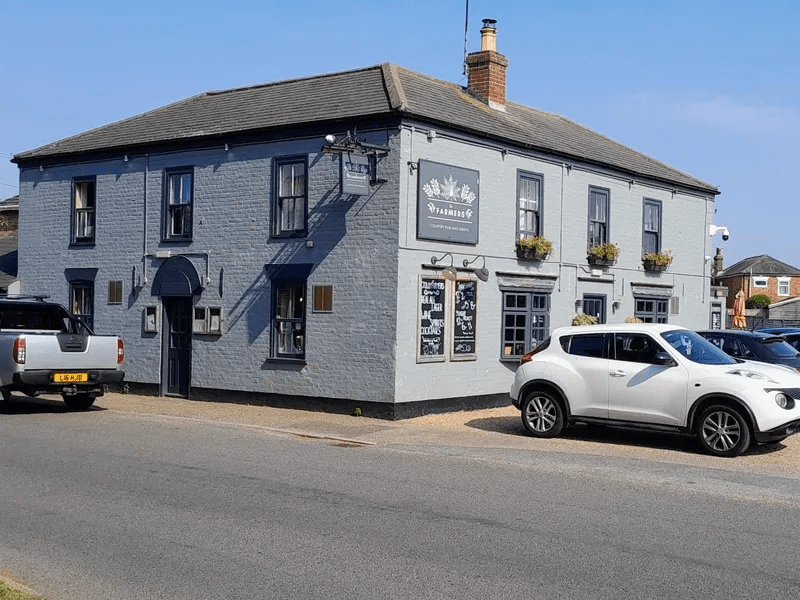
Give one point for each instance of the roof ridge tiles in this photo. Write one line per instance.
(267, 84)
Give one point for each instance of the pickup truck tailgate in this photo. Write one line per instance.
(67, 351)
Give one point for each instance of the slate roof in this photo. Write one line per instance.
(760, 265)
(384, 90)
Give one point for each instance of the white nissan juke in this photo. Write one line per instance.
(655, 376)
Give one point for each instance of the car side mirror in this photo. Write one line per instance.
(662, 358)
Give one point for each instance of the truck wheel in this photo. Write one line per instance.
(78, 401)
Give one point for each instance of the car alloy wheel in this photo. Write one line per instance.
(723, 431)
(542, 415)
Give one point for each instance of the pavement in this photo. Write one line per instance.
(493, 428)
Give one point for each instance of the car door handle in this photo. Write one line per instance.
(618, 373)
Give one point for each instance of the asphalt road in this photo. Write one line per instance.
(111, 505)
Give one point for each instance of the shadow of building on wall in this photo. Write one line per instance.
(9, 219)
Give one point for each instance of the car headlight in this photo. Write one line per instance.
(752, 375)
(784, 401)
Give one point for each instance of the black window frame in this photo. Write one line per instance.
(604, 233)
(649, 234)
(527, 313)
(296, 285)
(276, 230)
(87, 316)
(538, 228)
(79, 216)
(596, 299)
(654, 315)
(171, 208)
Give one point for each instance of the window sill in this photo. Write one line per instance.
(285, 361)
(82, 244)
(276, 237)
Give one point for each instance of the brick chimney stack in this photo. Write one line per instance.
(486, 70)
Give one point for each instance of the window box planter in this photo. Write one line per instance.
(600, 262)
(531, 253)
(534, 248)
(650, 265)
(657, 261)
(603, 255)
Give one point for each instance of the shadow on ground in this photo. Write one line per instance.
(612, 435)
(23, 405)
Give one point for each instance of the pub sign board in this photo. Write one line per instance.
(447, 203)
(355, 174)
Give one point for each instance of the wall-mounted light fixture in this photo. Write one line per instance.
(431, 135)
(449, 272)
(227, 147)
(578, 303)
(126, 158)
(616, 304)
(483, 272)
(41, 168)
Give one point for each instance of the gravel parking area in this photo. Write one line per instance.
(493, 427)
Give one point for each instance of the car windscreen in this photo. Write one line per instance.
(696, 348)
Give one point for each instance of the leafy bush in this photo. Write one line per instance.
(584, 319)
(758, 301)
(538, 243)
(661, 259)
(609, 251)
(633, 320)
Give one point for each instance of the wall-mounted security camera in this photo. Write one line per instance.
(714, 229)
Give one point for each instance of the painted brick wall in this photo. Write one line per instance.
(565, 206)
(365, 247)
(349, 352)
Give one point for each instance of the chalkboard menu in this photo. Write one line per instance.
(431, 338)
(466, 302)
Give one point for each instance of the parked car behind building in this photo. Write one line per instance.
(790, 334)
(754, 345)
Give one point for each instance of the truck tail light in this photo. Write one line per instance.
(19, 351)
(120, 351)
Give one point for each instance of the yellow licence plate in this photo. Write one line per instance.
(70, 377)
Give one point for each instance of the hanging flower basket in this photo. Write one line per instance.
(534, 248)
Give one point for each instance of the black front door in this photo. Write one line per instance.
(178, 346)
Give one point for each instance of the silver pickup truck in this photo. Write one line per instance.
(44, 349)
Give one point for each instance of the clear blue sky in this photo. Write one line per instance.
(709, 87)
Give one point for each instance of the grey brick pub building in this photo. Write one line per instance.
(350, 239)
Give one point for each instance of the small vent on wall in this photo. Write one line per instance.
(674, 305)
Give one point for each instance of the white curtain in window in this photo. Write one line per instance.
(651, 217)
(598, 207)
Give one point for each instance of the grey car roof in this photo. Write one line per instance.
(382, 90)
